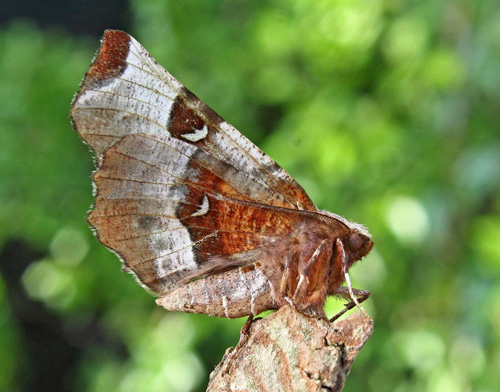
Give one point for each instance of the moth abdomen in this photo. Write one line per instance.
(235, 293)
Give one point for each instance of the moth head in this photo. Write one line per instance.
(357, 243)
(356, 239)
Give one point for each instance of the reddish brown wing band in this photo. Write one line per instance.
(199, 214)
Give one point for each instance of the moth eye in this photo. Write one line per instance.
(355, 242)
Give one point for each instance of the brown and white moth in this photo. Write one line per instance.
(200, 215)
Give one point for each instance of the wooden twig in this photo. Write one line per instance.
(287, 351)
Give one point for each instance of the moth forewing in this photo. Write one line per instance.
(198, 213)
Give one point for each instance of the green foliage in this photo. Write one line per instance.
(386, 112)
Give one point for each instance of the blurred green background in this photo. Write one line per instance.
(387, 112)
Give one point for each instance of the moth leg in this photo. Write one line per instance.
(350, 291)
(303, 278)
(361, 295)
(245, 329)
(343, 291)
(284, 278)
(284, 282)
(300, 286)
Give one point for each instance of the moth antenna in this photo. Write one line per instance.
(353, 297)
(349, 285)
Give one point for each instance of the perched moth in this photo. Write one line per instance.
(196, 212)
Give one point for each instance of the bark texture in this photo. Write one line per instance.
(287, 351)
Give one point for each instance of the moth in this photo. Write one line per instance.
(196, 212)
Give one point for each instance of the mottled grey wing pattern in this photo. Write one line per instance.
(180, 192)
(126, 91)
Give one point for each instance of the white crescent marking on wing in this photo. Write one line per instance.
(203, 208)
(198, 134)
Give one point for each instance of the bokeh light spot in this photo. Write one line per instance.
(45, 281)
(408, 220)
(421, 349)
(69, 246)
